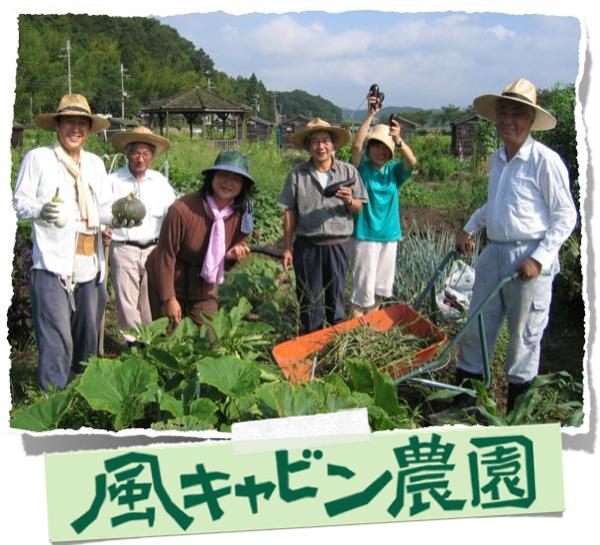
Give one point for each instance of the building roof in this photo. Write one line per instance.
(260, 121)
(297, 117)
(473, 117)
(195, 100)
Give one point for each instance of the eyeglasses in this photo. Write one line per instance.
(317, 141)
(144, 154)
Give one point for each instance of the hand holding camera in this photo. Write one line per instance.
(375, 98)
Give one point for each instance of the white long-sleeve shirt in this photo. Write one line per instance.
(39, 176)
(528, 199)
(154, 191)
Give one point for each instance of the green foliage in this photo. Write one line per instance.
(120, 387)
(485, 143)
(555, 397)
(434, 159)
(414, 193)
(419, 254)
(560, 101)
(344, 153)
(569, 283)
(159, 61)
(44, 414)
(237, 336)
(231, 376)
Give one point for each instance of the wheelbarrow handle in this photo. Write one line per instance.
(436, 274)
(477, 314)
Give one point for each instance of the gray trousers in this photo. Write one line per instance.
(320, 282)
(524, 303)
(130, 282)
(64, 337)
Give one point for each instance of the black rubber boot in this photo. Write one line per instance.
(514, 391)
(463, 378)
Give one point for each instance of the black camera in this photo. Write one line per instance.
(393, 117)
(331, 189)
(379, 95)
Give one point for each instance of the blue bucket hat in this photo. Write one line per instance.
(232, 161)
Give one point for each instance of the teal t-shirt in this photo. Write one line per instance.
(379, 219)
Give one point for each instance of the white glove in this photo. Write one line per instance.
(50, 212)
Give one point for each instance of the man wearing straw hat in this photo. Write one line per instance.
(529, 213)
(320, 197)
(131, 245)
(61, 188)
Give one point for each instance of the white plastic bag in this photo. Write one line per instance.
(453, 301)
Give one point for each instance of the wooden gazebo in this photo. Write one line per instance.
(200, 105)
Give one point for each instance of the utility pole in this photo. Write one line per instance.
(68, 55)
(276, 116)
(256, 103)
(123, 93)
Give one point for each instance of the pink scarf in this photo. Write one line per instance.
(213, 270)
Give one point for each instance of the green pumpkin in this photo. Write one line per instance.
(129, 209)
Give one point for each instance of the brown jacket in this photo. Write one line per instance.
(174, 266)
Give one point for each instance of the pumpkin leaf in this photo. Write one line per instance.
(186, 329)
(44, 414)
(280, 399)
(170, 404)
(385, 392)
(231, 376)
(121, 387)
(204, 410)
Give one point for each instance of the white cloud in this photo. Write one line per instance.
(501, 32)
(283, 36)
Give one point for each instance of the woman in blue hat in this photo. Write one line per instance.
(203, 234)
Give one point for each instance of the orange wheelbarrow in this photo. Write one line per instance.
(297, 357)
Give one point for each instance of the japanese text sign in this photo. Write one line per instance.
(211, 487)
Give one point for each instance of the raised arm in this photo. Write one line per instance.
(409, 157)
(361, 134)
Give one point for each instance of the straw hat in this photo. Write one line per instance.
(232, 161)
(381, 133)
(72, 105)
(339, 135)
(140, 134)
(522, 91)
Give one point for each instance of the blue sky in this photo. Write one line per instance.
(419, 59)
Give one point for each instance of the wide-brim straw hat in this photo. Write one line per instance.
(72, 105)
(522, 91)
(339, 136)
(232, 161)
(381, 133)
(143, 135)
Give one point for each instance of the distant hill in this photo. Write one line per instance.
(420, 116)
(299, 102)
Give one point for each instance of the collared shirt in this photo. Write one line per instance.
(156, 194)
(318, 216)
(39, 176)
(379, 220)
(528, 199)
